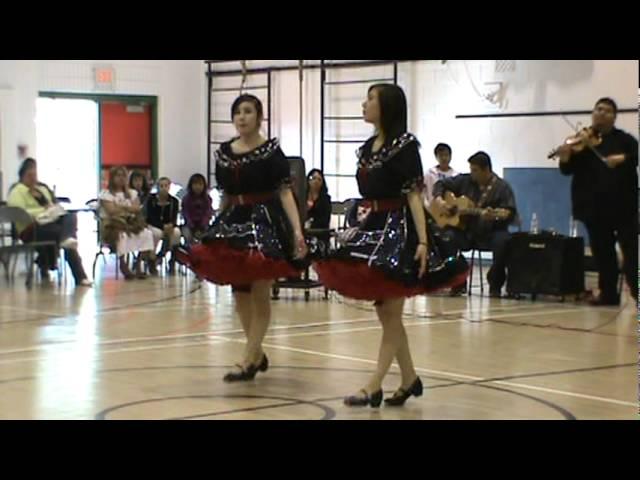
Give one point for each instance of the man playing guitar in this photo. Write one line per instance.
(485, 214)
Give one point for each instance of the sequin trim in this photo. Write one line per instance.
(414, 184)
(385, 153)
(261, 153)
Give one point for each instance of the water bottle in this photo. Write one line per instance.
(534, 223)
(573, 228)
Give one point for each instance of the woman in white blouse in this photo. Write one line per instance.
(123, 227)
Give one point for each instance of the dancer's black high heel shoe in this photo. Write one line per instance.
(401, 395)
(374, 400)
(249, 373)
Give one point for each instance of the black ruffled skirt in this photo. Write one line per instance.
(376, 261)
(246, 243)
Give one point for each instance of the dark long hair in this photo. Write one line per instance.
(324, 191)
(145, 183)
(255, 101)
(192, 179)
(393, 110)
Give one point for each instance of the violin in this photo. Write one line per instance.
(588, 137)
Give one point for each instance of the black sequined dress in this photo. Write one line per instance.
(248, 242)
(377, 261)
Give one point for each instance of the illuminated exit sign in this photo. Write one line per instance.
(104, 78)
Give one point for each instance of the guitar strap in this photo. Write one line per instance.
(487, 191)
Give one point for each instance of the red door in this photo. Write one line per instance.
(125, 137)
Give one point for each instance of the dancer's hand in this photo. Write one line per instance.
(421, 256)
(301, 249)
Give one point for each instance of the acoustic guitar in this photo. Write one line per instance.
(460, 207)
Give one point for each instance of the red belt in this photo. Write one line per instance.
(251, 198)
(384, 205)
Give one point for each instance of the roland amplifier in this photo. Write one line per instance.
(545, 264)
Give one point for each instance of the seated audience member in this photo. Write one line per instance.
(162, 217)
(49, 223)
(197, 209)
(138, 182)
(123, 226)
(318, 203)
(441, 171)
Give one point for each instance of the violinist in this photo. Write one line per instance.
(603, 161)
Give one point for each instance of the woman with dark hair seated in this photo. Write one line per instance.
(138, 182)
(50, 223)
(318, 204)
(197, 209)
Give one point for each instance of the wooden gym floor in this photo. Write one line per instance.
(158, 348)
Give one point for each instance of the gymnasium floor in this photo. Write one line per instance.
(158, 348)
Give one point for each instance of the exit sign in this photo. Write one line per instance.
(104, 78)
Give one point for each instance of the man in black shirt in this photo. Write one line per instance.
(490, 230)
(604, 195)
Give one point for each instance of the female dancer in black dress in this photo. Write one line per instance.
(389, 256)
(257, 237)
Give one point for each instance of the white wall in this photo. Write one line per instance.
(7, 132)
(17, 107)
(436, 93)
(179, 85)
(440, 92)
